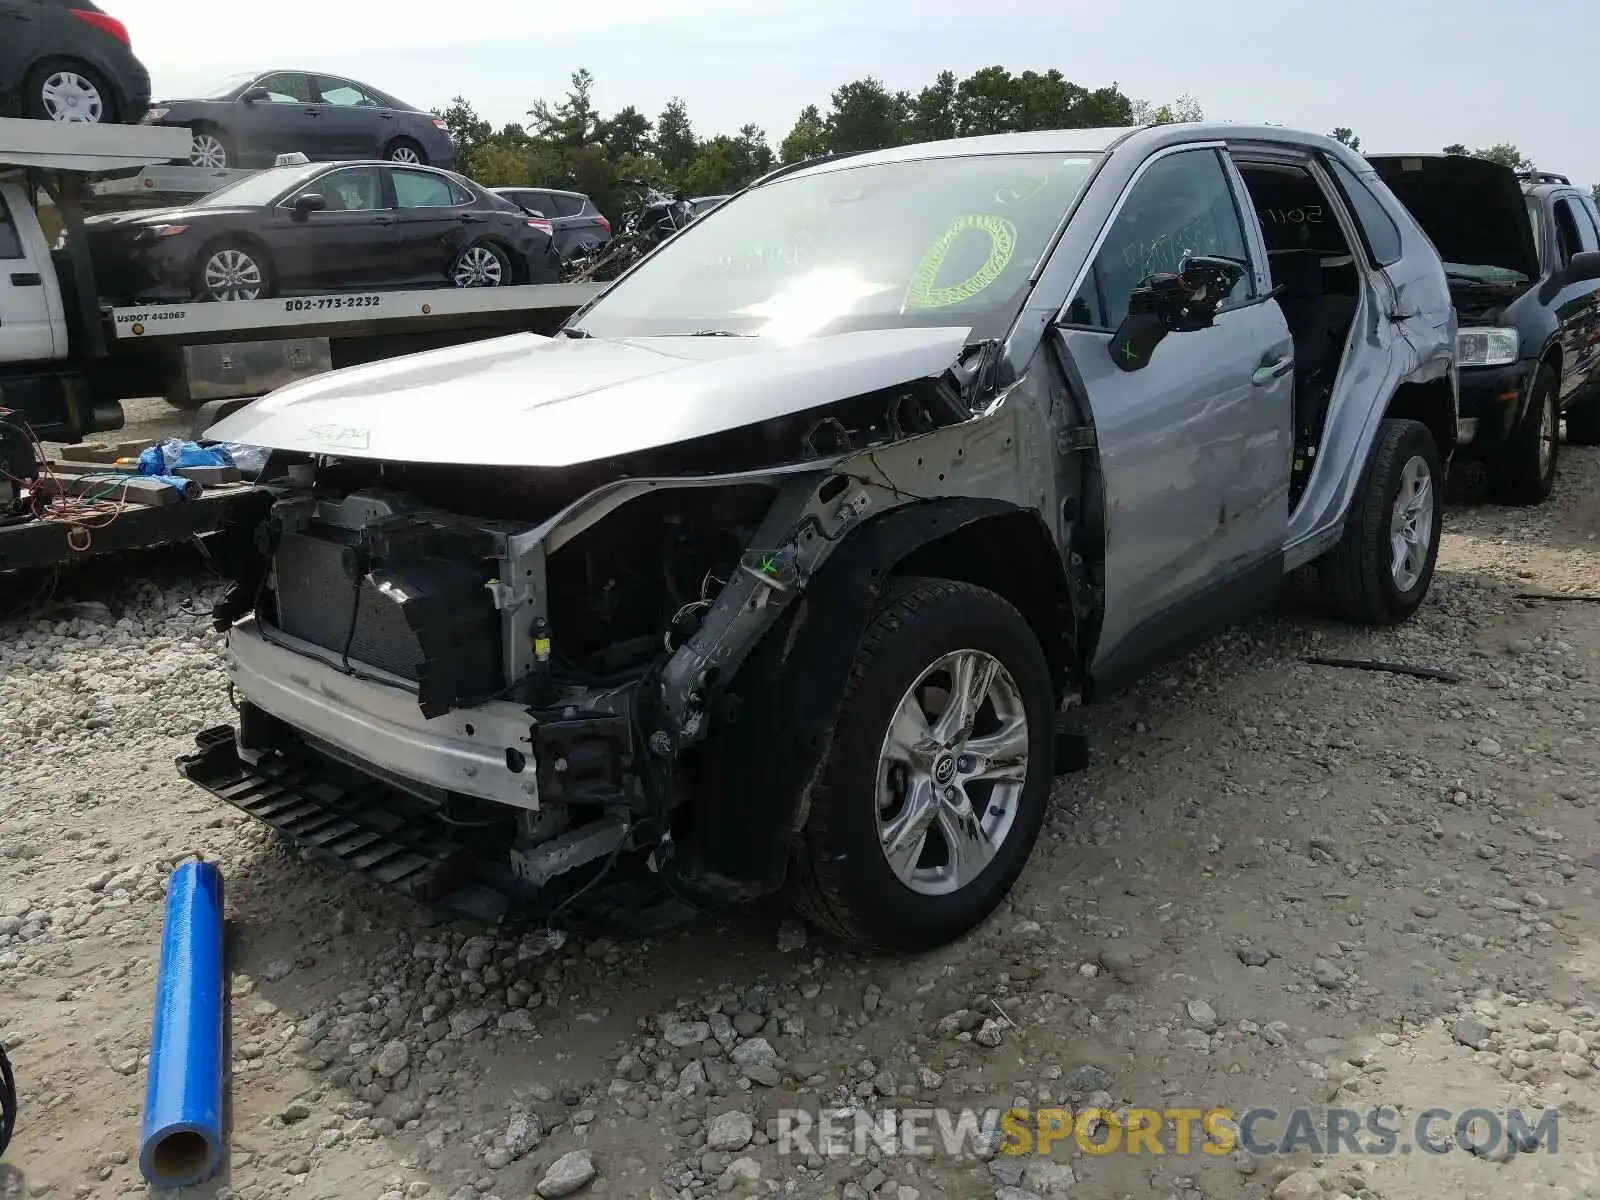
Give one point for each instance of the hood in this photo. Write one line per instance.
(1473, 210)
(533, 401)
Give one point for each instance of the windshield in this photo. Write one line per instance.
(936, 241)
(261, 188)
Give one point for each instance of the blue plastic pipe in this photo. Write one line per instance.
(181, 1143)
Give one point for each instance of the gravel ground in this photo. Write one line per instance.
(1278, 885)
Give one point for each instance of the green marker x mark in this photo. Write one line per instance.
(769, 565)
(1128, 351)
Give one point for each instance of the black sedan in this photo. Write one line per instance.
(249, 120)
(316, 227)
(68, 60)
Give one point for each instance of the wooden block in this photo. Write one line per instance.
(131, 489)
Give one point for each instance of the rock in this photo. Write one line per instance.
(515, 1020)
(1325, 975)
(1323, 1046)
(391, 1059)
(1488, 747)
(1088, 1078)
(682, 1034)
(1302, 1185)
(729, 1131)
(791, 936)
(1252, 957)
(523, 1133)
(465, 1020)
(1048, 1178)
(567, 1176)
(1471, 1032)
(1202, 1015)
(990, 1034)
(757, 1052)
(740, 1171)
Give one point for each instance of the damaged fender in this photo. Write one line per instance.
(772, 727)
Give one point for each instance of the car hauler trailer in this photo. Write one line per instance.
(67, 361)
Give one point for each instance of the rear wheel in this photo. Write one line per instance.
(481, 265)
(404, 150)
(64, 90)
(1380, 571)
(935, 785)
(1524, 470)
(228, 271)
(1583, 422)
(208, 148)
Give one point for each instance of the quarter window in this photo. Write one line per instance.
(1182, 205)
(1377, 227)
(418, 189)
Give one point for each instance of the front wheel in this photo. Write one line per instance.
(1380, 571)
(230, 271)
(208, 149)
(1523, 471)
(934, 789)
(481, 265)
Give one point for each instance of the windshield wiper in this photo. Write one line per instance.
(577, 333)
(719, 333)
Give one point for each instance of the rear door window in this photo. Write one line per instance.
(1569, 239)
(421, 189)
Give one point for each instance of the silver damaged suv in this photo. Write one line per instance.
(786, 564)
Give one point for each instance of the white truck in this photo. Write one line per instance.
(67, 361)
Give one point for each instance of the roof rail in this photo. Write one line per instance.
(1543, 177)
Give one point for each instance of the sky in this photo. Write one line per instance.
(1406, 75)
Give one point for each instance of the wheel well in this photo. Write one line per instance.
(1433, 404)
(1013, 556)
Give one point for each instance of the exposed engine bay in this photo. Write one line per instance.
(527, 658)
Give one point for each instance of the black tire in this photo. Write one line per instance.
(474, 263)
(406, 150)
(1523, 471)
(33, 99)
(841, 880)
(1583, 422)
(1357, 574)
(218, 148)
(203, 290)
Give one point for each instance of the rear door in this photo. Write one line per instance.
(1195, 447)
(31, 329)
(1575, 303)
(351, 122)
(435, 221)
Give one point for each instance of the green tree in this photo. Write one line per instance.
(627, 133)
(808, 138)
(1347, 136)
(1594, 191)
(1457, 148)
(757, 157)
(987, 102)
(933, 112)
(572, 122)
(675, 140)
(1184, 108)
(468, 131)
(865, 115)
(1504, 153)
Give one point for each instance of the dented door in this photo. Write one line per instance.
(1194, 447)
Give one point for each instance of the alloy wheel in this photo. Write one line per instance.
(404, 154)
(951, 772)
(233, 275)
(207, 150)
(68, 96)
(478, 266)
(1411, 524)
(1547, 435)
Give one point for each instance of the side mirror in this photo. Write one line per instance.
(1583, 266)
(251, 95)
(1136, 340)
(307, 203)
(1166, 303)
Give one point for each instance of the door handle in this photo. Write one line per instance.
(381, 221)
(469, 219)
(26, 279)
(1267, 372)
(311, 112)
